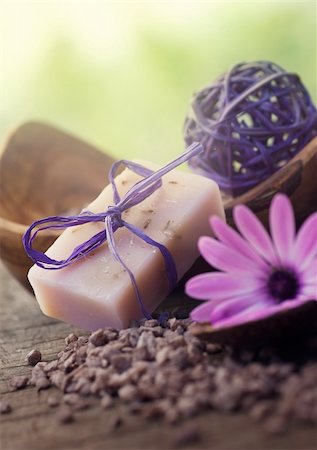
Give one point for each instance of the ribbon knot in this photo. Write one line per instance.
(113, 220)
(116, 218)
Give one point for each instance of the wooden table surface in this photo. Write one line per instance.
(32, 424)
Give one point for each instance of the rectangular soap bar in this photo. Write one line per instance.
(96, 291)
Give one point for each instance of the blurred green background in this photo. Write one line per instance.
(121, 74)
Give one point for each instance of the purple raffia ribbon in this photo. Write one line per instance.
(112, 218)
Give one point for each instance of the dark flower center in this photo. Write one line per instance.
(283, 284)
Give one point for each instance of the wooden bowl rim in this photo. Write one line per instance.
(303, 156)
(14, 227)
(224, 335)
(20, 229)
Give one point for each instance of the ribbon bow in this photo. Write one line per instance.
(112, 218)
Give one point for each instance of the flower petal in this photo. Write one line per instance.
(224, 258)
(237, 305)
(282, 226)
(230, 237)
(202, 312)
(309, 276)
(220, 286)
(254, 232)
(310, 291)
(244, 316)
(257, 312)
(305, 248)
(304, 298)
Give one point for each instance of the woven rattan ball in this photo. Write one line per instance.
(252, 121)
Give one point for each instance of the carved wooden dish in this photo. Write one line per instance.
(283, 327)
(45, 171)
(297, 179)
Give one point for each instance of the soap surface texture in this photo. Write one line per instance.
(96, 291)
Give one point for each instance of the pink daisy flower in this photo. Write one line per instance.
(260, 275)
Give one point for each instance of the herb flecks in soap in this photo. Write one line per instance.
(111, 219)
(146, 224)
(167, 225)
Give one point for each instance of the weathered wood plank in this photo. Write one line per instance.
(32, 424)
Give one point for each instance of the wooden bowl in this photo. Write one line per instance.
(45, 171)
(297, 179)
(283, 327)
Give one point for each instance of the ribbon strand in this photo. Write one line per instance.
(112, 218)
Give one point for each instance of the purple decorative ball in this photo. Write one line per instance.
(252, 121)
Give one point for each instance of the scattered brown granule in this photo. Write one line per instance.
(98, 338)
(33, 357)
(42, 383)
(5, 407)
(19, 382)
(64, 414)
(275, 425)
(158, 369)
(115, 422)
(128, 393)
(106, 401)
(71, 399)
(71, 338)
(261, 410)
(80, 405)
(186, 435)
(53, 401)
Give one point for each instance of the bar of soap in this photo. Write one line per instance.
(96, 291)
